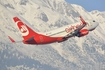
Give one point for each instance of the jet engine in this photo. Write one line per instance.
(82, 32)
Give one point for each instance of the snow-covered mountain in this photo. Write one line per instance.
(85, 53)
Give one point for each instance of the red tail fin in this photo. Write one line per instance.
(83, 21)
(24, 29)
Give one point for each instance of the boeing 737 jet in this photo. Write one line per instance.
(79, 29)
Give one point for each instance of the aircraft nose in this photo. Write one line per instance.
(93, 25)
(96, 24)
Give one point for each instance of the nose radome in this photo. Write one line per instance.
(93, 25)
(96, 24)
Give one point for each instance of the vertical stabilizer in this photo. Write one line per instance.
(26, 31)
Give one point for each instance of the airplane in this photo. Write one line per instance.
(58, 35)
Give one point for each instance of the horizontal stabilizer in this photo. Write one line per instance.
(11, 39)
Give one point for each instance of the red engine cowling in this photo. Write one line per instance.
(83, 32)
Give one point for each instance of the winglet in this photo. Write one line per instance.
(11, 39)
(83, 21)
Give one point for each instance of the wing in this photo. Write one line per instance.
(76, 32)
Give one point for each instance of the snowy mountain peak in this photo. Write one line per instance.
(95, 11)
(98, 13)
(85, 53)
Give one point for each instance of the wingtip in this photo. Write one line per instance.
(11, 39)
(83, 21)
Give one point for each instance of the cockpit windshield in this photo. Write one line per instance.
(93, 20)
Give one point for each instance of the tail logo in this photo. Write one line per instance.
(24, 30)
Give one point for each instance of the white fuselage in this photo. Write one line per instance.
(63, 31)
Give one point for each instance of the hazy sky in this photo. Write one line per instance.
(90, 5)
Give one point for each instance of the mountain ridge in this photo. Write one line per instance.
(85, 53)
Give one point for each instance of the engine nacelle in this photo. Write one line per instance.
(83, 32)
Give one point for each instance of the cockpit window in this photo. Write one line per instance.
(93, 20)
